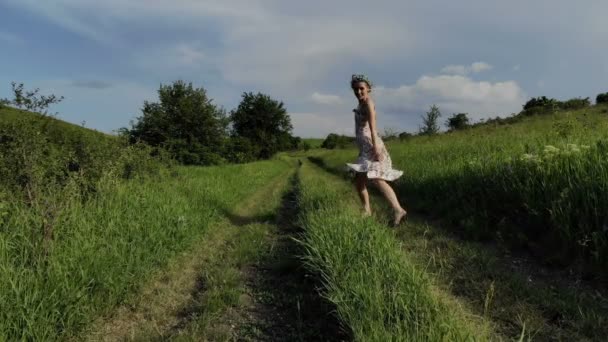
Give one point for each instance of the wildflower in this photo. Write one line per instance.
(551, 149)
(572, 148)
(529, 157)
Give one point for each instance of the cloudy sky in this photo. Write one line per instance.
(477, 56)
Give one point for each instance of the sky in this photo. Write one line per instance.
(485, 58)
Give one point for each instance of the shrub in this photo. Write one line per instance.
(575, 103)
(541, 101)
(31, 100)
(42, 154)
(458, 121)
(389, 134)
(337, 141)
(540, 105)
(405, 135)
(240, 150)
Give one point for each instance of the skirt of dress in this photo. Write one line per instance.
(375, 169)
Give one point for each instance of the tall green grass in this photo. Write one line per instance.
(379, 295)
(102, 249)
(540, 182)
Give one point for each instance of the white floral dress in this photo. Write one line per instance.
(366, 162)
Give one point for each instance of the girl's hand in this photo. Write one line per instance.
(378, 153)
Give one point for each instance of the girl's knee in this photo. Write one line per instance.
(379, 183)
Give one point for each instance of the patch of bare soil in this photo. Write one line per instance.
(282, 302)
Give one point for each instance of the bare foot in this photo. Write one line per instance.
(366, 213)
(399, 217)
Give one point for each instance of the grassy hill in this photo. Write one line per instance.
(313, 142)
(539, 182)
(56, 129)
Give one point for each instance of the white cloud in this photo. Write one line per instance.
(480, 66)
(476, 67)
(263, 43)
(184, 55)
(298, 52)
(452, 93)
(288, 48)
(455, 69)
(326, 99)
(318, 125)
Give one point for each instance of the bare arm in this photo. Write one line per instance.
(373, 128)
(371, 111)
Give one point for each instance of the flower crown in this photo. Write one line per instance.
(360, 78)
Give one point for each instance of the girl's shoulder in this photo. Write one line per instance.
(366, 107)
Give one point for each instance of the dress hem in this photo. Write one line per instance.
(388, 175)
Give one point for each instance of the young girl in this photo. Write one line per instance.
(373, 162)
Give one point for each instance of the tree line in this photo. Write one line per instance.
(458, 121)
(195, 131)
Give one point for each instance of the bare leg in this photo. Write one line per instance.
(390, 196)
(360, 182)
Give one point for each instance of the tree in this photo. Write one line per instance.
(540, 105)
(429, 121)
(575, 103)
(389, 134)
(405, 135)
(185, 122)
(458, 121)
(30, 100)
(4, 103)
(601, 98)
(264, 122)
(334, 140)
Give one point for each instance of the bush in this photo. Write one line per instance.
(575, 103)
(540, 105)
(458, 121)
(389, 134)
(240, 150)
(405, 136)
(30, 100)
(337, 141)
(601, 98)
(42, 154)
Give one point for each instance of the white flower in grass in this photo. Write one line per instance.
(572, 148)
(529, 157)
(551, 149)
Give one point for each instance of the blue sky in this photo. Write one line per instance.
(477, 56)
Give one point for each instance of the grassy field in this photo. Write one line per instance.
(313, 142)
(220, 253)
(105, 248)
(539, 183)
(379, 293)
